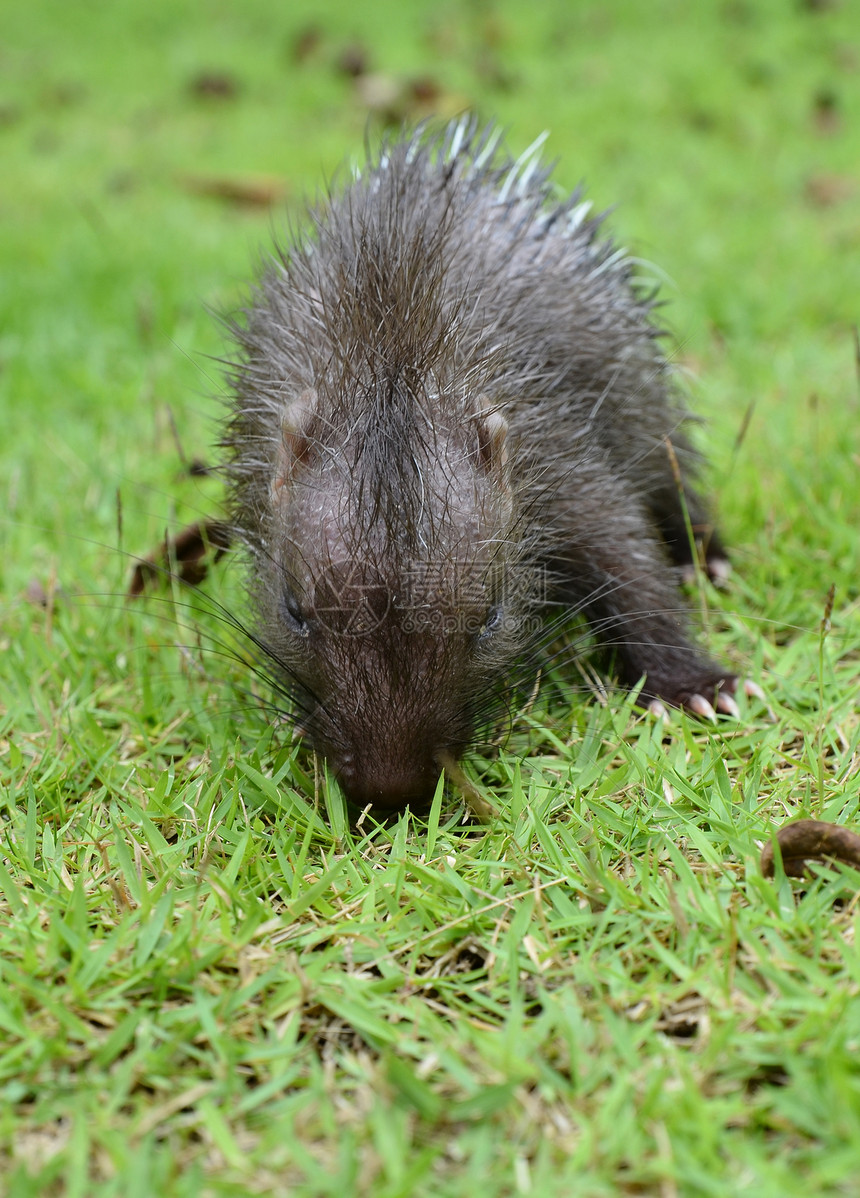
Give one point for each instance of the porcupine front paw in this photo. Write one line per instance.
(706, 552)
(705, 696)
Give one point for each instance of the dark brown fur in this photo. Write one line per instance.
(451, 412)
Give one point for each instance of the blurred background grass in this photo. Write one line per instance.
(726, 136)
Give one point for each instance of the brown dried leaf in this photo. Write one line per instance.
(808, 840)
(353, 60)
(186, 556)
(396, 101)
(305, 43)
(826, 111)
(246, 190)
(826, 191)
(425, 90)
(215, 85)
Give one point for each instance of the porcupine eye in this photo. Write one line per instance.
(292, 615)
(493, 621)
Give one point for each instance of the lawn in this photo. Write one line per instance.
(213, 983)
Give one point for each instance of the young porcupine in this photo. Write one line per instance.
(452, 413)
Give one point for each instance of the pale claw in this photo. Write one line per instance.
(753, 691)
(700, 706)
(719, 569)
(726, 704)
(657, 709)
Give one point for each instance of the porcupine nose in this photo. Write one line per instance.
(391, 785)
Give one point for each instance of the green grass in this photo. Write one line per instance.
(210, 983)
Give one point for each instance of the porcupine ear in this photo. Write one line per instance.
(294, 444)
(492, 429)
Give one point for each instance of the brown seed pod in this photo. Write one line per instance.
(808, 840)
(187, 554)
